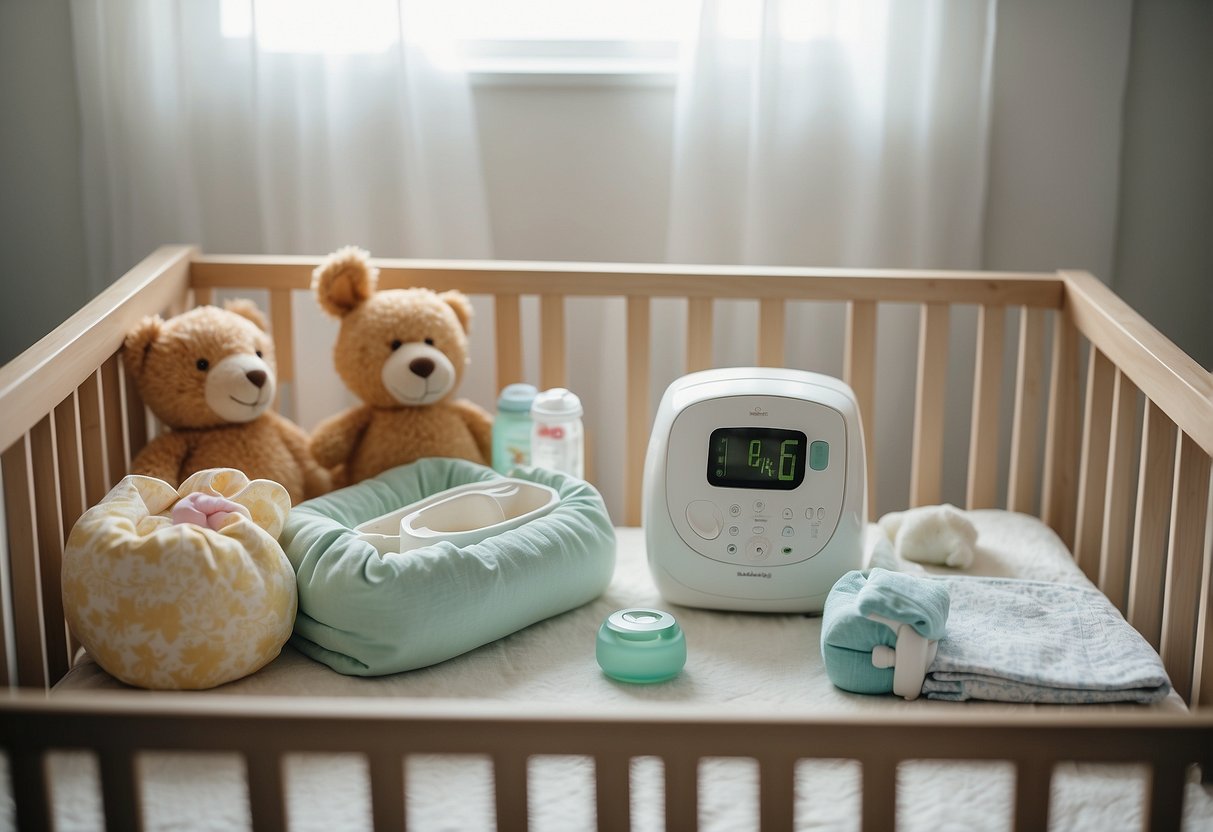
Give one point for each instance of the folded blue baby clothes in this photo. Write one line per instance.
(906, 599)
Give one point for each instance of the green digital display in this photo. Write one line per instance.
(770, 458)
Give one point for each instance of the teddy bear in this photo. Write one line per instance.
(208, 374)
(403, 353)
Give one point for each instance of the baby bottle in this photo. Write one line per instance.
(557, 440)
(512, 427)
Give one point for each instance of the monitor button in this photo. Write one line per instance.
(704, 519)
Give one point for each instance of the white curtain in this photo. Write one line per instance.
(276, 126)
(833, 133)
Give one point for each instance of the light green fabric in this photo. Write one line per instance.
(365, 615)
(847, 639)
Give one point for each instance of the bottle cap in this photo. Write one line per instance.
(641, 646)
(557, 403)
(517, 397)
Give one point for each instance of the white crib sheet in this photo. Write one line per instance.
(756, 662)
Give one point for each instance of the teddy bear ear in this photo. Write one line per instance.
(344, 281)
(247, 310)
(137, 343)
(462, 306)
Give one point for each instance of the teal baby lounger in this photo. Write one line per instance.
(366, 614)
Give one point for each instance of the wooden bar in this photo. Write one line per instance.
(612, 790)
(266, 793)
(71, 477)
(1187, 550)
(1093, 468)
(1118, 506)
(1032, 782)
(982, 486)
(112, 420)
(136, 415)
(205, 295)
(27, 773)
(681, 792)
(879, 794)
(926, 461)
(282, 327)
(859, 371)
(777, 793)
(120, 790)
(508, 321)
(388, 809)
(24, 574)
(1202, 671)
(1166, 796)
(552, 372)
(1025, 424)
(1151, 525)
(1059, 497)
(510, 790)
(772, 323)
(638, 346)
(699, 334)
(92, 439)
(49, 533)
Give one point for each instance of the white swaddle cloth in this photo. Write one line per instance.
(1031, 641)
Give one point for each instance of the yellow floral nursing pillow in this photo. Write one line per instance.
(181, 588)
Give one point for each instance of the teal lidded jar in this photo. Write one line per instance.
(641, 646)
(512, 427)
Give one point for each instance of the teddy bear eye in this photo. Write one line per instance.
(396, 344)
(430, 341)
(203, 365)
(258, 353)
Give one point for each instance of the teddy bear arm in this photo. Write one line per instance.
(316, 480)
(333, 441)
(479, 422)
(162, 458)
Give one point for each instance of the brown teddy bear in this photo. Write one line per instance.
(403, 352)
(209, 375)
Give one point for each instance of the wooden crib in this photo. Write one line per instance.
(1111, 439)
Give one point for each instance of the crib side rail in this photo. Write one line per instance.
(117, 728)
(70, 424)
(1137, 499)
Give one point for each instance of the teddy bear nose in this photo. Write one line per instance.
(422, 366)
(257, 377)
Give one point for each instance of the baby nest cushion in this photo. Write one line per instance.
(180, 606)
(364, 614)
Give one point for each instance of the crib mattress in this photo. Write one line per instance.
(759, 663)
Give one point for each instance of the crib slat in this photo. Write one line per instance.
(510, 787)
(772, 320)
(120, 790)
(859, 371)
(508, 319)
(612, 785)
(982, 490)
(1093, 476)
(926, 463)
(387, 791)
(879, 794)
(27, 771)
(1148, 568)
(92, 441)
(1025, 427)
(49, 532)
(1114, 566)
(26, 586)
(552, 371)
(266, 797)
(204, 296)
(699, 334)
(1167, 796)
(777, 793)
(638, 340)
(67, 444)
(681, 792)
(282, 327)
(1185, 562)
(1059, 496)
(1032, 781)
(136, 415)
(111, 408)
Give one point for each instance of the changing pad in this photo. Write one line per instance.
(366, 614)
